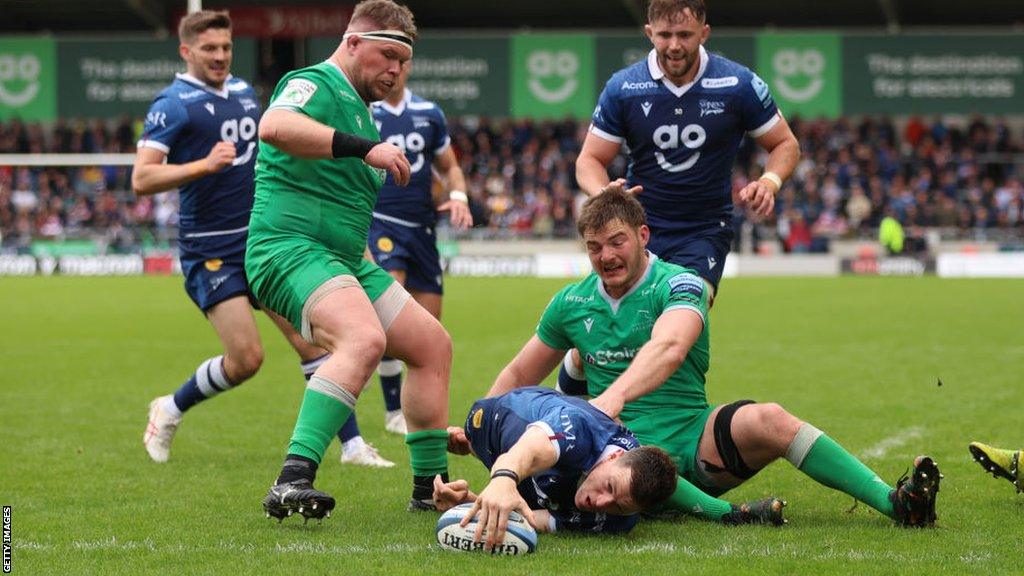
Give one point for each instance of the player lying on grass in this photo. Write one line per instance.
(557, 460)
(640, 324)
(1000, 462)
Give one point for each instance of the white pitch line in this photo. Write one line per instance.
(883, 447)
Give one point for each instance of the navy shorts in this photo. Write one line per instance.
(398, 247)
(703, 250)
(214, 270)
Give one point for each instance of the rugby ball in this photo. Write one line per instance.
(520, 537)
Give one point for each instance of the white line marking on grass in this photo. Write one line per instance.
(883, 447)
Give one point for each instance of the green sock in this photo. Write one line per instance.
(325, 407)
(428, 452)
(692, 500)
(824, 460)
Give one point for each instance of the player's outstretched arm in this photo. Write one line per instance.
(671, 338)
(592, 165)
(532, 453)
(299, 135)
(150, 175)
(529, 368)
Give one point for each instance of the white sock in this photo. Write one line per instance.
(170, 407)
(389, 414)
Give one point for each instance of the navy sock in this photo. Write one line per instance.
(570, 386)
(349, 430)
(390, 371)
(206, 382)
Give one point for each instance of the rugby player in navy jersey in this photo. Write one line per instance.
(682, 113)
(402, 236)
(557, 460)
(201, 137)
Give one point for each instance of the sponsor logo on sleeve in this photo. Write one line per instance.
(296, 93)
(761, 90)
(686, 283)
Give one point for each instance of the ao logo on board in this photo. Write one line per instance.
(19, 69)
(553, 75)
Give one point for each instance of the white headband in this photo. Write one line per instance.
(394, 36)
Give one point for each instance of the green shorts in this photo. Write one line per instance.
(678, 432)
(284, 272)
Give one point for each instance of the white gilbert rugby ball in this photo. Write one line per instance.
(520, 537)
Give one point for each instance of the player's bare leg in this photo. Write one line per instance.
(233, 321)
(419, 339)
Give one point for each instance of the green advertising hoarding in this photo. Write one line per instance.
(553, 75)
(106, 79)
(934, 74)
(803, 72)
(28, 78)
(463, 74)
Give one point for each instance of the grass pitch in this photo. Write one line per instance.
(861, 358)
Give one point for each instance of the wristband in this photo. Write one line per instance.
(458, 196)
(505, 473)
(349, 145)
(773, 178)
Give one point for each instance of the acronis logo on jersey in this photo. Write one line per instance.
(648, 85)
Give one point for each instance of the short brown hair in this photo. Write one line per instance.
(387, 15)
(196, 23)
(672, 10)
(599, 210)
(654, 475)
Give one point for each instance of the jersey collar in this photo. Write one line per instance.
(400, 108)
(347, 81)
(658, 74)
(613, 302)
(186, 77)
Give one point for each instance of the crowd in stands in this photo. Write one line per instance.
(962, 178)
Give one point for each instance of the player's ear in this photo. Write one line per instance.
(183, 51)
(649, 32)
(645, 234)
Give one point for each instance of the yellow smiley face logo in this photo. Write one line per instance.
(214, 264)
(384, 244)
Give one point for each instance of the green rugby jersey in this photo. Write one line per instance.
(608, 333)
(329, 200)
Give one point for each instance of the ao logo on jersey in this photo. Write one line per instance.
(413, 143)
(670, 137)
(798, 73)
(561, 66)
(240, 130)
(14, 68)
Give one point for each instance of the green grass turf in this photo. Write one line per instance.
(80, 359)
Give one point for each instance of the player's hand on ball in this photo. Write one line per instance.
(451, 494)
(493, 505)
(620, 184)
(391, 158)
(220, 157)
(457, 441)
(759, 195)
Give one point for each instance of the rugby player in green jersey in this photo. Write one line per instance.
(640, 325)
(320, 167)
